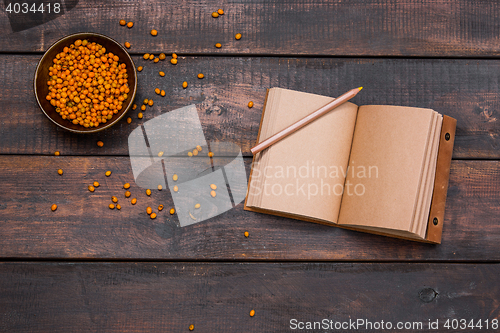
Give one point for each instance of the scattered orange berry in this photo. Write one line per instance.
(250, 104)
(57, 153)
(174, 55)
(173, 61)
(201, 76)
(139, 69)
(154, 32)
(100, 143)
(172, 211)
(157, 91)
(130, 24)
(127, 194)
(53, 207)
(111, 206)
(161, 73)
(218, 45)
(133, 201)
(139, 115)
(162, 93)
(237, 36)
(252, 313)
(91, 188)
(108, 173)
(60, 171)
(215, 14)
(127, 45)
(123, 22)
(220, 11)
(184, 84)
(126, 185)
(96, 184)
(191, 327)
(129, 120)
(246, 234)
(153, 215)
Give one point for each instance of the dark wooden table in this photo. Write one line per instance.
(87, 268)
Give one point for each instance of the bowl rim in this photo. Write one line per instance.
(98, 129)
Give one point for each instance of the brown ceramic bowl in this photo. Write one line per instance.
(42, 76)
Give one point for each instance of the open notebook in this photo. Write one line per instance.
(375, 168)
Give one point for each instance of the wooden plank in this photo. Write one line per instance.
(217, 297)
(464, 89)
(375, 28)
(84, 227)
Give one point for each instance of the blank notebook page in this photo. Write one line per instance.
(385, 167)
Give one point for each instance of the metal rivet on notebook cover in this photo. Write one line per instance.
(435, 221)
(447, 136)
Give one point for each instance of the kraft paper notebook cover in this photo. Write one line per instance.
(375, 168)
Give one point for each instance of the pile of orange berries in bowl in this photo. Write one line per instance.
(88, 86)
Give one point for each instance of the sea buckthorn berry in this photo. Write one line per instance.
(111, 206)
(149, 210)
(161, 73)
(146, 101)
(197, 206)
(191, 327)
(156, 60)
(143, 107)
(157, 91)
(148, 191)
(57, 153)
(176, 188)
(91, 188)
(190, 154)
(162, 93)
(252, 313)
(215, 14)
(162, 56)
(130, 24)
(133, 201)
(108, 173)
(152, 216)
(172, 211)
(247, 234)
(154, 32)
(174, 55)
(126, 185)
(201, 76)
(210, 154)
(218, 45)
(60, 171)
(139, 115)
(123, 22)
(175, 177)
(151, 56)
(53, 207)
(127, 194)
(114, 199)
(213, 186)
(146, 56)
(250, 104)
(118, 206)
(127, 45)
(173, 61)
(220, 12)
(129, 120)
(160, 154)
(134, 106)
(100, 143)
(184, 84)
(237, 36)
(213, 193)
(195, 152)
(139, 69)
(150, 103)
(198, 147)
(96, 184)
(160, 208)
(160, 187)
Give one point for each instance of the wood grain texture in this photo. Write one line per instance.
(83, 226)
(375, 28)
(168, 297)
(467, 90)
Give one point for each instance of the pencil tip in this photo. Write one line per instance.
(360, 88)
